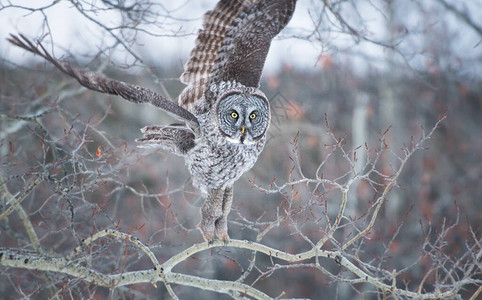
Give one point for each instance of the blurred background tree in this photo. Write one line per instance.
(340, 75)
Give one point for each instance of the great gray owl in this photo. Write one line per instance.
(224, 115)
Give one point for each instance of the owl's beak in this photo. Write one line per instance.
(243, 136)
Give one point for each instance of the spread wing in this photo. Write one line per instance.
(233, 44)
(99, 83)
(175, 138)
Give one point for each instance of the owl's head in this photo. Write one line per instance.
(243, 118)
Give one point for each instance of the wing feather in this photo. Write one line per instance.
(100, 83)
(233, 45)
(175, 138)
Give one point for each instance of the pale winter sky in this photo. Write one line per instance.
(70, 30)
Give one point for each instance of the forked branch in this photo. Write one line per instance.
(36, 261)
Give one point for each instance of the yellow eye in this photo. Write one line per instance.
(234, 115)
(252, 116)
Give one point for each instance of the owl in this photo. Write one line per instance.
(223, 115)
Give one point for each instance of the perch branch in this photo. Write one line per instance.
(36, 261)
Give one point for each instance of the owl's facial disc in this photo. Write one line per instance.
(242, 118)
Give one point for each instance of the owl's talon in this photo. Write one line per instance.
(207, 232)
(223, 236)
(221, 229)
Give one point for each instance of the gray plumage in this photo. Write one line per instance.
(175, 138)
(225, 116)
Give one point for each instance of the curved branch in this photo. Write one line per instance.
(36, 261)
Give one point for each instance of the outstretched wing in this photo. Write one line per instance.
(99, 83)
(175, 138)
(233, 44)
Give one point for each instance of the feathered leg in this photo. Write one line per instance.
(221, 223)
(211, 210)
